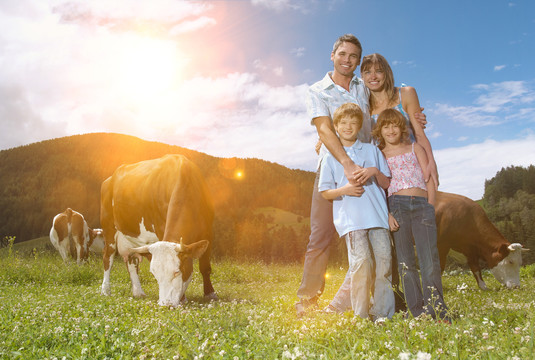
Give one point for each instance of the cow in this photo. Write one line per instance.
(463, 226)
(71, 236)
(158, 209)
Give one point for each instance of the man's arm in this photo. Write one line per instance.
(330, 140)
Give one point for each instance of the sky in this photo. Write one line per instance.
(229, 78)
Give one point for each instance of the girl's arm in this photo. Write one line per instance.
(411, 105)
(423, 161)
(363, 174)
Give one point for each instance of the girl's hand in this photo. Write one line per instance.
(352, 190)
(392, 223)
(364, 174)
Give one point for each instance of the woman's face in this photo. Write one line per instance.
(374, 78)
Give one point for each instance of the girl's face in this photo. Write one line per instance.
(391, 133)
(374, 78)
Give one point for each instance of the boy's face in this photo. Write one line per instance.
(348, 128)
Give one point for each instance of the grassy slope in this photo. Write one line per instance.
(50, 309)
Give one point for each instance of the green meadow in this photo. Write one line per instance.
(52, 310)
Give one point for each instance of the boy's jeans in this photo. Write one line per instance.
(416, 219)
(370, 268)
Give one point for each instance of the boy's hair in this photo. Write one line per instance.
(387, 117)
(351, 110)
(350, 38)
(378, 61)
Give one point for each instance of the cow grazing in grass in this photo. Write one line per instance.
(464, 227)
(159, 209)
(71, 236)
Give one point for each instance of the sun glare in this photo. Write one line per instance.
(147, 68)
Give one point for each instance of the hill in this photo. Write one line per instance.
(40, 180)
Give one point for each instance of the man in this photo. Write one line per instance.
(337, 87)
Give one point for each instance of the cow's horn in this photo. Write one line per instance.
(514, 246)
(140, 250)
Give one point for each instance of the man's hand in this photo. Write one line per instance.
(421, 118)
(392, 223)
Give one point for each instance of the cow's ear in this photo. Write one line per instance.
(195, 250)
(504, 250)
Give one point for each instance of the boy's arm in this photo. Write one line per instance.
(364, 174)
(347, 189)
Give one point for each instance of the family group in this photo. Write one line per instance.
(376, 179)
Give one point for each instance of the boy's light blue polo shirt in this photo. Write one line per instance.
(350, 212)
(324, 97)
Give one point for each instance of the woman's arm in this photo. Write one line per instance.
(423, 161)
(411, 105)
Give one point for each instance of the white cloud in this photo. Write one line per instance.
(496, 104)
(303, 6)
(499, 67)
(298, 52)
(463, 170)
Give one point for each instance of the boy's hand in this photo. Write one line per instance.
(392, 223)
(352, 190)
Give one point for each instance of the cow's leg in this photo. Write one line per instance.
(107, 260)
(473, 263)
(132, 264)
(79, 245)
(206, 269)
(63, 248)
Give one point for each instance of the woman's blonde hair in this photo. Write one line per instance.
(378, 61)
(387, 117)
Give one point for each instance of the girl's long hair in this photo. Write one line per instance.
(387, 117)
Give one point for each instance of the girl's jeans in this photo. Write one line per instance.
(416, 219)
(370, 269)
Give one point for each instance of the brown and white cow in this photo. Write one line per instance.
(463, 226)
(71, 236)
(160, 209)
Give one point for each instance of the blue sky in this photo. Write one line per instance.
(228, 78)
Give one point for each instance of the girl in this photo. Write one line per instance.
(412, 216)
(379, 79)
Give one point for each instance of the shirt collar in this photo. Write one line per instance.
(356, 146)
(328, 82)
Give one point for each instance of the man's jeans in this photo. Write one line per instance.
(416, 219)
(317, 255)
(370, 268)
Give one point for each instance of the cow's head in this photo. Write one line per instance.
(172, 266)
(507, 271)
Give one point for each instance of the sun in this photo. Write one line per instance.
(146, 68)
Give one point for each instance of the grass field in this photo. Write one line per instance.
(50, 310)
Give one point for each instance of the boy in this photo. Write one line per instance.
(361, 219)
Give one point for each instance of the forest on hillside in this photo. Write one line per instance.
(40, 180)
(509, 201)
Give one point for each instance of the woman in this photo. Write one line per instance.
(379, 79)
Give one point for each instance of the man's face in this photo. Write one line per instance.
(346, 59)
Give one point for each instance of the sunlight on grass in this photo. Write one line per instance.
(53, 310)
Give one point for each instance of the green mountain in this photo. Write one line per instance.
(40, 180)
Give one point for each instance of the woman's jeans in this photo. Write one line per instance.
(370, 269)
(416, 219)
